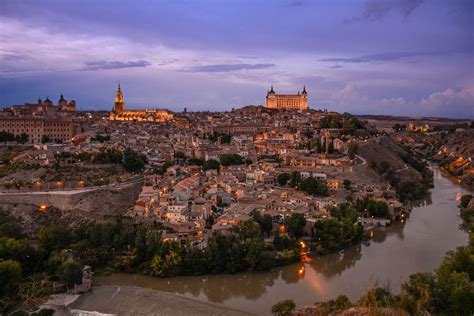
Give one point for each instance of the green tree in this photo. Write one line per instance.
(352, 150)
(45, 139)
(331, 147)
(168, 265)
(377, 209)
(20, 251)
(295, 224)
(295, 178)
(6, 137)
(347, 184)
(113, 156)
(55, 237)
(157, 265)
(70, 272)
(231, 159)
(281, 242)
(377, 298)
(210, 220)
(266, 224)
(9, 227)
(132, 161)
(283, 179)
(333, 235)
(313, 186)
(10, 273)
(22, 138)
(344, 212)
(465, 199)
(226, 138)
(179, 155)
(164, 167)
(211, 164)
(283, 308)
(195, 161)
(416, 294)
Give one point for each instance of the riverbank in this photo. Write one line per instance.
(133, 300)
(417, 245)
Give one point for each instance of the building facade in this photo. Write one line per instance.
(120, 114)
(297, 101)
(40, 119)
(56, 129)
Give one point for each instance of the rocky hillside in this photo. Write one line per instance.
(460, 143)
(384, 149)
(69, 208)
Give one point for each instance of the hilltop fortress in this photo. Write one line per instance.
(297, 101)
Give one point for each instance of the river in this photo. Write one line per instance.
(395, 252)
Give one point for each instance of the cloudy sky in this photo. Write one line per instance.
(411, 57)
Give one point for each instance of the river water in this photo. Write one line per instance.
(418, 245)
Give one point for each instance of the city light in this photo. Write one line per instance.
(301, 271)
(282, 229)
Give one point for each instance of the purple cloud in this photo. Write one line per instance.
(377, 10)
(228, 67)
(383, 57)
(107, 65)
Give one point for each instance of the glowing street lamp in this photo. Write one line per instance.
(301, 271)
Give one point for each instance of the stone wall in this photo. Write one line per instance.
(99, 202)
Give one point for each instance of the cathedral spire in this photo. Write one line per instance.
(119, 96)
(119, 104)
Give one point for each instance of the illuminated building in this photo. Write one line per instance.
(40, 119)
(56, 129)
(297, 101)
(67, 106)
(120, 114)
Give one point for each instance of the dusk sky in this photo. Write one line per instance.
(403, 57)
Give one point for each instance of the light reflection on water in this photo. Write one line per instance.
(419, 244)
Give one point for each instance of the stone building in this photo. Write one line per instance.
(40, 119)
(67, 106)
(56, 129)
(297, 101)
(120, 114)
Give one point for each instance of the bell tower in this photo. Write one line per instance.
(119, 105)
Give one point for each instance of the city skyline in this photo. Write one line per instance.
(365, 57)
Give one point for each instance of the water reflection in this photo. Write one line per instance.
(334, 264)
(381, 234)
